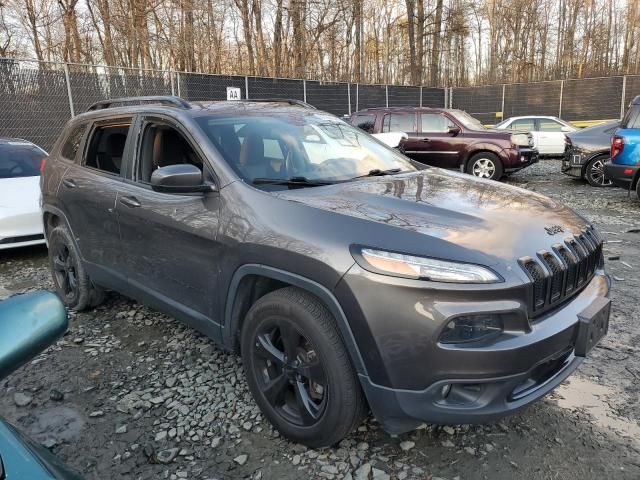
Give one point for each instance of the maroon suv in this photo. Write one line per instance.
(451, 138)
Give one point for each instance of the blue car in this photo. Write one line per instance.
(624, 168)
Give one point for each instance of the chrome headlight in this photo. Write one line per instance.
(520, 139)
(409, 266)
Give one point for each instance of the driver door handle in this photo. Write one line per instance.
(131, 202)
(425, 139)
(69, 183)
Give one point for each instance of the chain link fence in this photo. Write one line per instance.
(37, 98)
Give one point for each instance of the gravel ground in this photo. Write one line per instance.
(131, 393)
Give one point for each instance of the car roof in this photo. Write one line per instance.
(15, 140)
(635, 101)
(180, 107)
(534, 116)
(402, 109)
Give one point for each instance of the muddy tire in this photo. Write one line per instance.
(485, 165)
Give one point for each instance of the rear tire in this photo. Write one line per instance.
(298, 369)
(72, 283)
(485, 165)
(594, 173)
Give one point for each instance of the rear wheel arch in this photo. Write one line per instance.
(252, 281)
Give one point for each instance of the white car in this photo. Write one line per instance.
(20, 218)
(547, 132)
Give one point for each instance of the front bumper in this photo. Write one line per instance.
(573, 163)
(519, 158)
(621, 175)
(486, 381)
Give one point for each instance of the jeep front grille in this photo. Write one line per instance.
(557, 275)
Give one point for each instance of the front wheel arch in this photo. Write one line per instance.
(233, 318)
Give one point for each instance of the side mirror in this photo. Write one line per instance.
(181, 178)
(28, 324)
(566, 129)
(453, 130)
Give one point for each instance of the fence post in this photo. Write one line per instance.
(420, 95)
(173, 85)
(178, 84)
(446, 97)
(246, 87)
(304, 90)
(349, 97)
(386, 94)
(357, 96)
(66, 77)
(561, 93)
(450, 97)
(504, 87)
(624, 94)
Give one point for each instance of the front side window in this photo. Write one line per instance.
(398, 122)
(316, 147)
(548, 125)
(106, 147)
(467, 120)
(163, 145)
(526, 124)
(364, 122)
(434, 122)
(72, 143)
(20, 159)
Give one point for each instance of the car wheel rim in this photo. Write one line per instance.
(484, 168)
(289, 373)
(65, 271)
(596, 172)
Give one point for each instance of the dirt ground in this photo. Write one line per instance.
(131, 393)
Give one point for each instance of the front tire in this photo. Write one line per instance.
(594, 173)
(71, 281)
(298, 369)
(485, 165)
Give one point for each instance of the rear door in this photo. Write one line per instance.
(170, 239)
(405, 122)
(441, 148)
(87, 195)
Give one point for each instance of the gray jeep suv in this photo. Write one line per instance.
(347, 276)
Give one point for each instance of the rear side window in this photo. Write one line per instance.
(106, 147)
(434, 122)
(364, 122)
(72, 143)
(632, 118)
(527, 124)
(20, 159)
(399, 122)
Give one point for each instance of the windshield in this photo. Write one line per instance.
(20, 159)
(467, 120)
(301, 145)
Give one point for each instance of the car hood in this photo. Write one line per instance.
(20, 194)
(498, 221)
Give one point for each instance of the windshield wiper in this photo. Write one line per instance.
(291, 181)
(376, 172)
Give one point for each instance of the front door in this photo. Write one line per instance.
(550, 137)
(170, 239)
(441, 148)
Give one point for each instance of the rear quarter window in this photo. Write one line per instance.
(364, 122)
(632, 118)
(71, 144)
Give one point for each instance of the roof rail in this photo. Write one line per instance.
(168, 100)
(290, 101)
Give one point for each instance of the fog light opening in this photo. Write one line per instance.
(472, 328)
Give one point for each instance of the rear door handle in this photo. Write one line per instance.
(69, 183)
(131, 202)
(425, 139)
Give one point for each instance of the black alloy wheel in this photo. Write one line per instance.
(291, 376)
(594, 173)
(65, 271)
